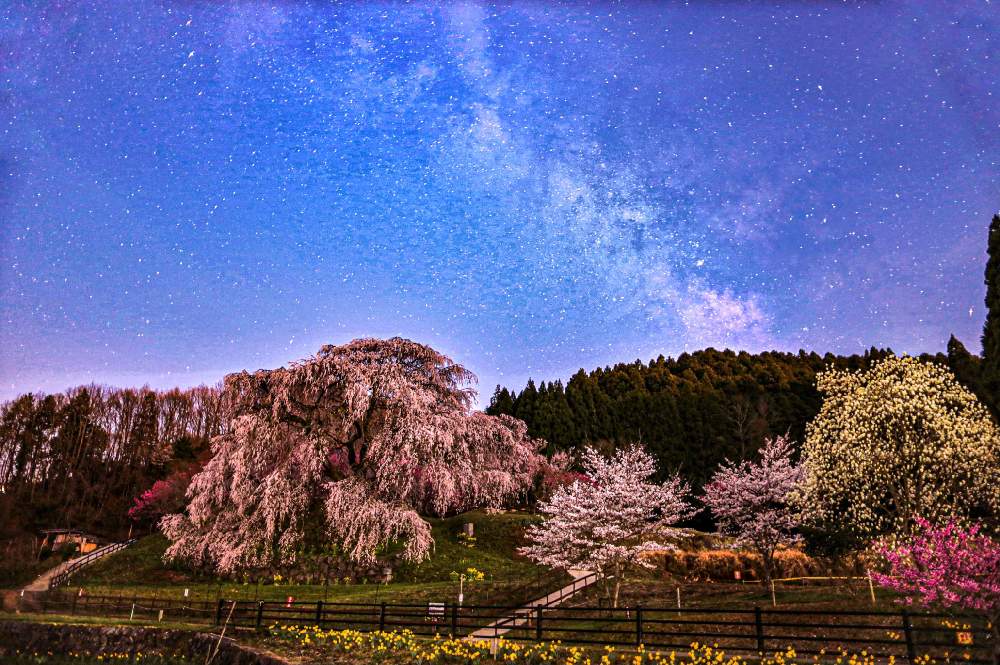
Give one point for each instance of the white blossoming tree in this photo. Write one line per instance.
(749, 500)
(900, 441)
(347, 448)
(606, 522)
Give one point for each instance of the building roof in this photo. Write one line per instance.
(77, 532)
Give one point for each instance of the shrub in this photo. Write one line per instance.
(722, 564)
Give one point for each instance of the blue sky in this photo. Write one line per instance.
(190, 189)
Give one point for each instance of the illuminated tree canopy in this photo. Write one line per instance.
(356, 442)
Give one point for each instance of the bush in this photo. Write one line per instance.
(722, 564)
(67, 550)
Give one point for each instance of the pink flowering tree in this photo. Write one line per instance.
(608, 521)
(554, 473)
(950, 566)
(347, 449)
(750, 500)
(164, 497)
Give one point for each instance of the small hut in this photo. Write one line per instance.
(55, 539)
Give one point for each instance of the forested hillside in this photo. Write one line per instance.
(79, 459)
(691, 412)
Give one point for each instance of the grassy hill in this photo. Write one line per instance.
(510, 579)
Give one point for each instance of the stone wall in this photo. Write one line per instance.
(320, 569)
(26, 636)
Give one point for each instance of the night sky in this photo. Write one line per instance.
(193, 188)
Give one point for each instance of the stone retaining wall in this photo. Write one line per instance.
(26, 636)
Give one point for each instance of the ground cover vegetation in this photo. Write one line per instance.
(314, 645)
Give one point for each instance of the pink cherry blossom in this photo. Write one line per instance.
(347, 449)
(750, 500)
(608, 521)
(950, 566)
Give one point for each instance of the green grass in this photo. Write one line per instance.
(510, 580)
(497, 538)
(658, 592)
(17, 576)
(87, 620)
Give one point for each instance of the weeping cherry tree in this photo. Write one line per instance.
(347, 448)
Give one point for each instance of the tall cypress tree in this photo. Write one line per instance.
(991, 330)
(966, 367)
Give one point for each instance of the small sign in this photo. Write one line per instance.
(288, 602)
(186, 591)
(435, 610)
(738, 575)
(461, 597)
(964, 637)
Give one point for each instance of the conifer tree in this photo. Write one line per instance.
(991, 330)
(502, 402)
(966, 367)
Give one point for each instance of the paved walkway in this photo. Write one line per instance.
(41, 583)
(523, 616)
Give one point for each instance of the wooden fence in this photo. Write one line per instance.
(904, 635)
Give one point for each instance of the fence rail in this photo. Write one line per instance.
(85, 560)
(903, 635)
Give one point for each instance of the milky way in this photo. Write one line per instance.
(189, 189)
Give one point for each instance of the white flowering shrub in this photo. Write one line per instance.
(899, 441)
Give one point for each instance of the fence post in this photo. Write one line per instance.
(218, 611)
(381, 618)
(260, 614)
(759, 622)
(638, 626)
(454, 620)
(319, 613)
(911, 650)
(538, 623)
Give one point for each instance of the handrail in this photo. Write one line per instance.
(81, 562)
(522, 612)
(584, 581)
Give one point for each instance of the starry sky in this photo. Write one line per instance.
(193, 188)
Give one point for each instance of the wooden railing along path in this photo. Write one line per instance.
(75, 565)
(902, 635)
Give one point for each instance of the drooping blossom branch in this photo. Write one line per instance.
(355, 444)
